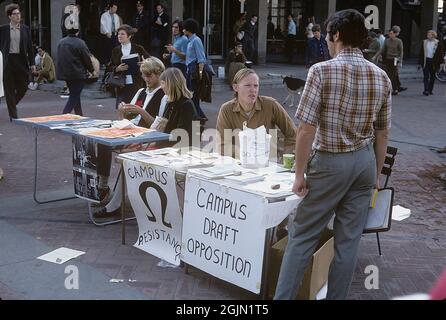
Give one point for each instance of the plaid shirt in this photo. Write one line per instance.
(346, 98)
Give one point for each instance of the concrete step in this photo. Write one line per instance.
(90, 91)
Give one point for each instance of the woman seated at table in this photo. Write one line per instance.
(149, 99)
(178, 114)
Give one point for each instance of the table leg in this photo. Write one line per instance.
(123, 203)
(266, 257)
(36, 133)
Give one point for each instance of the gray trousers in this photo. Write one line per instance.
(340, 184)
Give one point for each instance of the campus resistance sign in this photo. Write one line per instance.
(152, 193)
(223, 233)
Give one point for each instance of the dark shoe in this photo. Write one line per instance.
(394, 92)
(431, 93)
(103, 214)
(402, 89)
(104, 197)
(425, 93)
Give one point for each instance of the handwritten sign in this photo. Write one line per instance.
(223, 233)
(152, 193)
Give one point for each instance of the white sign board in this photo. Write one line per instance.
(152, 193)
(223, 233)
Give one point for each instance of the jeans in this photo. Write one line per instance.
(74, 101)
(429, 75)
(192, 85)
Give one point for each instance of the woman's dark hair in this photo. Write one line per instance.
(72, 31)
(10, 8)
(350, 25)
(127, 29)
(180, 25)
(191, 25)
(316, 28)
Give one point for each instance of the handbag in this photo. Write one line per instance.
(115, 80)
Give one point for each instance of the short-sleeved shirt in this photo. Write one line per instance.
(180, 43)
(346, 98)
(195, 50)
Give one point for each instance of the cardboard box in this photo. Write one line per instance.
(316, 274)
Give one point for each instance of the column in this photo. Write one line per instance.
(429, 15)
(331, 7)
(57, 8)
(177, 9)
(262, 28)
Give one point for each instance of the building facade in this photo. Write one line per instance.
(217, 19)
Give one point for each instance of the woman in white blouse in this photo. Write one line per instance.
(133, 79)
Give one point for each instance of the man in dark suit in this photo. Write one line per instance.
(161, 32)
(16, 47)
(248, 40)
(140, 25)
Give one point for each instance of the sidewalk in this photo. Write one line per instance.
(414, 250)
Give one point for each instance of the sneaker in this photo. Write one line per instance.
(31, 86)
(103, 214)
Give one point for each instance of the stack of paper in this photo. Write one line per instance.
(245, 177)
(216, 172)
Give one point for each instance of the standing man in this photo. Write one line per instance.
(248, 40)
(317, 48)
(110, 23)
(16, 47)
(397, 31)
(140, 25)
(177, 51)
(392, 57)
(291, 37)
(344, 118)
(160, 31)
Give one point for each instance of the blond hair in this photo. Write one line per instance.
(240, 75)
(433, 33)
(152, 65)
(175, 84)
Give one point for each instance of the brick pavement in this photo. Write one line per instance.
(414, 251)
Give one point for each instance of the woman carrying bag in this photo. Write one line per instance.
(132, 78)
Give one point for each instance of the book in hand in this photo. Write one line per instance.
(379, 216)
(132, 61)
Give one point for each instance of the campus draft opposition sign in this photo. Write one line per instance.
(152, 193)
(223, 233)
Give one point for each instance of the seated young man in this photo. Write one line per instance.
(255, 110)
(45, 72)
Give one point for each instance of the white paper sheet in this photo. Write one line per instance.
(61, 255)
(322, 294)
(400, 213)
(276, 212)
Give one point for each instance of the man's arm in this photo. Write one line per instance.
(304, 140)
(381, 138)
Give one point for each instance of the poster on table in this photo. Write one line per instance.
(223, 233)
(152, 193)
(85, 175)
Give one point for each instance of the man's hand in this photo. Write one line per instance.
(170, 48)
(300, 186)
